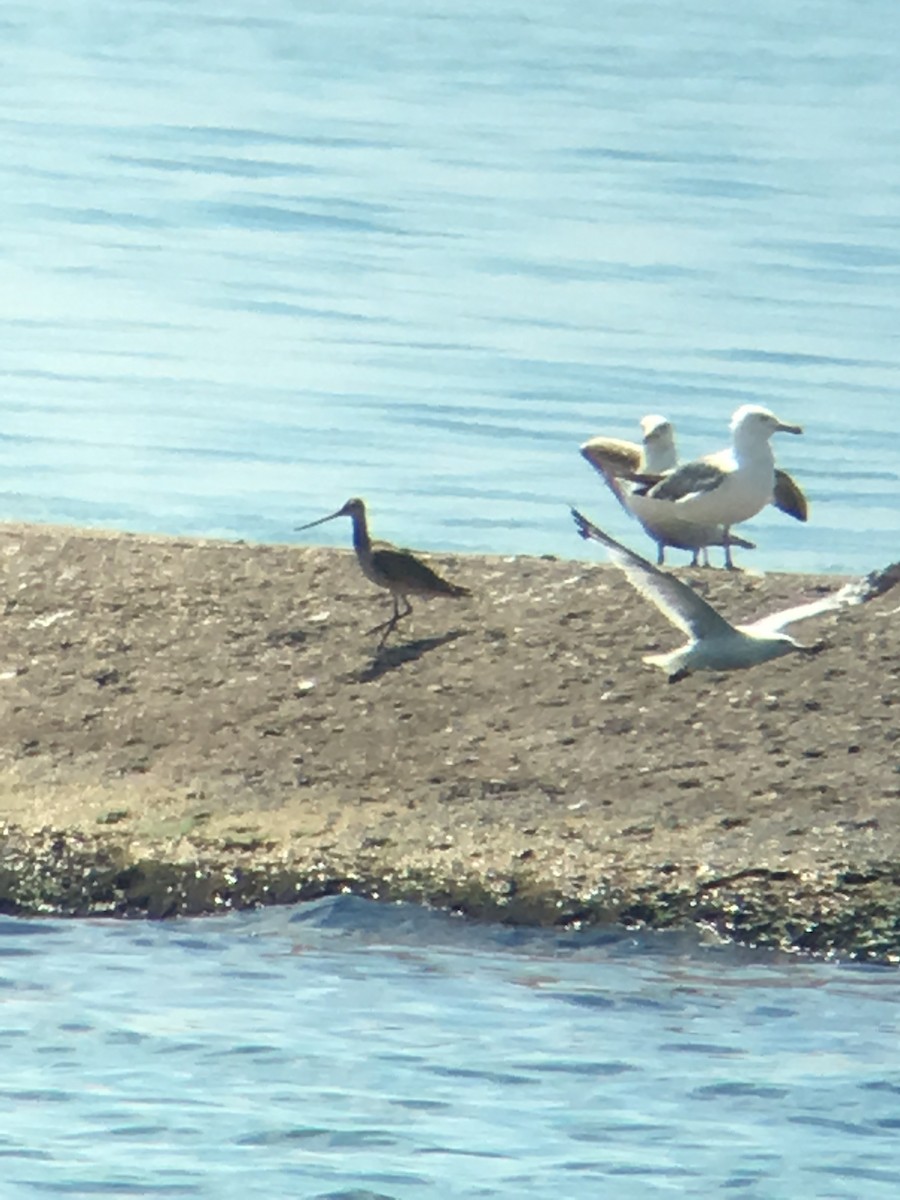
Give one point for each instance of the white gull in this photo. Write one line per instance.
(647, 464)
(722, 489)
(715, 644)
(619, 459)
(619, 462)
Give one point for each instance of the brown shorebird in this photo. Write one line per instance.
(390, 567)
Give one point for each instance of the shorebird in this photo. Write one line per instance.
(714, 644)
(390, 567)
(619, 459)
(620, 462)
(722, 489)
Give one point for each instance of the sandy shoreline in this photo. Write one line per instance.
(194, 725)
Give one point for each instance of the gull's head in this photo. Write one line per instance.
(779, 644)
(786, 644)
(659, 443)
(655, 426)
(657, 430)
(752, 421)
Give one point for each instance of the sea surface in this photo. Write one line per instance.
(345, 1050)
(258, 258)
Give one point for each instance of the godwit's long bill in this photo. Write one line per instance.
(390, 567)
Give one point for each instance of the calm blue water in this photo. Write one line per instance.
(349, 1050)
(258, 258)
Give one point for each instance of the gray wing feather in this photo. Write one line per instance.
(859, 591)
(777, 622)
(680, 603)
(687, 480)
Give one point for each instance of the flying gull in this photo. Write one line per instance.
(715, 644)
(620, 462)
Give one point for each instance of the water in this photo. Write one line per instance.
(345, 1049)
(261, 258)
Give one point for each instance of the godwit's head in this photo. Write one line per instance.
(354, 508)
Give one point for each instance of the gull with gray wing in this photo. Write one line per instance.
(722, 489)
(621, 462)
(714, 644)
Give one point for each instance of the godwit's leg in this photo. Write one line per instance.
(406, 610)
(389, 624)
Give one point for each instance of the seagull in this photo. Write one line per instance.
(715, 644)
(723, 488)
(647, 464)
(628, 460)
(397, 570)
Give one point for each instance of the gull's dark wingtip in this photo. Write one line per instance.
(582, 524)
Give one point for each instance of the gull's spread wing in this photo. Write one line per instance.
(674, 599)
(876, 583)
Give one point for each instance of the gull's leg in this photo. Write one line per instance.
(660, 554)
(695, 560)
(706, 556)
(728, 560)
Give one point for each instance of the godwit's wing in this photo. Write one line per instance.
(680, 603)
(788, 496)
(402, 571)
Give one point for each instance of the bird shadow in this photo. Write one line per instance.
(388, 658)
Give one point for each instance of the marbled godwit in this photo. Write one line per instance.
(714, 644)
(390, 567)
(617, 461)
